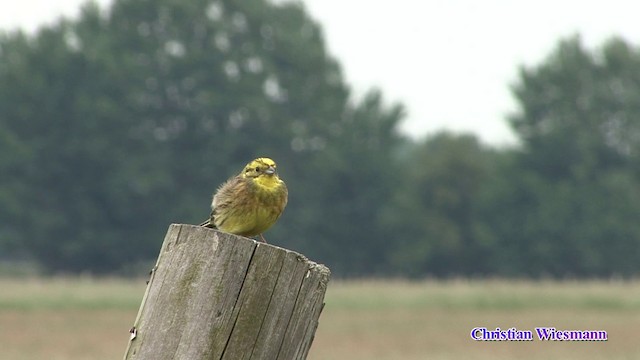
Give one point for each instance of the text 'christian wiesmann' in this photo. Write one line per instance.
(542, 333)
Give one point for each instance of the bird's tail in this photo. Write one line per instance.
(208, 224)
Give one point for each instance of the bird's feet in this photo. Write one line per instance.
(262, 239)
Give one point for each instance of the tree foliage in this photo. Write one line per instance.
(581, 105)
(125, 120)
(114, 125)
(562, 204)
(580, 127)
(434, 212)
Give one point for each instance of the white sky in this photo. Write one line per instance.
(450, 62)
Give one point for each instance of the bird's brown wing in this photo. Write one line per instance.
(229, 195)
(221, 200)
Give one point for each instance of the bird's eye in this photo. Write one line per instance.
(257, 169)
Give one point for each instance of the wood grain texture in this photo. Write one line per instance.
(214, 295)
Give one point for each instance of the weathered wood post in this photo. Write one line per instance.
(214, 295)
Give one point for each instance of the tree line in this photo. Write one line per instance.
(124, 120)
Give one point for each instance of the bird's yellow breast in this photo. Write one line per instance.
(255, 209)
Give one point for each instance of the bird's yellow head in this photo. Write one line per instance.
(260, 167)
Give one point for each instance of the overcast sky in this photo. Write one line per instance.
(450, 62)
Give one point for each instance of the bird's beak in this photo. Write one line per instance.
(270, 170)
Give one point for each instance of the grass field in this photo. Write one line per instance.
(83, 318)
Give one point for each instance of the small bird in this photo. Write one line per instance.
(249, 203)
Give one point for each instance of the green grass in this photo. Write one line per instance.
(86, 318)
(70, 293)
(385, 320)
(485, 295)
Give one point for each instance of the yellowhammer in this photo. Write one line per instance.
(249, 203)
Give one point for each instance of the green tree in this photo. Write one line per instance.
(347, 186)
(579, 122)
(435, 214)
(583, 106)
(126, 120)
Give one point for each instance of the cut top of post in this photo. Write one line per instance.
(214, 295)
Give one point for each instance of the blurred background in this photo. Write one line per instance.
(461, 141)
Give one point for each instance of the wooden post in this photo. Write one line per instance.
(214, 295)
